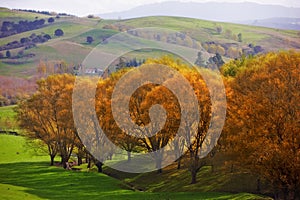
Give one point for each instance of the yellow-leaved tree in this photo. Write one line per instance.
(263, 123)
(47, 116)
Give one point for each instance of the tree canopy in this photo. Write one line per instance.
(263, 123)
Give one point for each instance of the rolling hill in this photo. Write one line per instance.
(73, 48)
(277, 22)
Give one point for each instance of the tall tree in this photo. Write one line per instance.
(47, 115)
(263, 123)
(106, 120)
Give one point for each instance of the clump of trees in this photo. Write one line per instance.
(10, 28)
(27, 42)
(193, 136)
(46, 68)
(262, 127)
(213, 62)
(261, 131)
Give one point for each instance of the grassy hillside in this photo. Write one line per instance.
(7, 118)
(73, 48)
(25, 177)
(216, 176)
(204, 31)
(8, 14)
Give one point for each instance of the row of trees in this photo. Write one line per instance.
(231, 50)
(10, 28)
(47, 115)
(27, 42)
(261, 129)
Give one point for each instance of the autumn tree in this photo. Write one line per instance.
(47, 116)
(233, 52)
(90, 124)
(160, 117)
(154, 139)
(147, 136)
(105, 115)
(201, 136)
(263, 123)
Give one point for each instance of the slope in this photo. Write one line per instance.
(72, 46)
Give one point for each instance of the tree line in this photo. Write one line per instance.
(261, 130)
(11, 28)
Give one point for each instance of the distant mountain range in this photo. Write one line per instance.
(274, 16)
(282, 23)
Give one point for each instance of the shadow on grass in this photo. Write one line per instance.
(53, 183)
(45, 182)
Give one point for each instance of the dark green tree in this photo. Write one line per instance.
(200, 61)
(240, 39)
(58, 32)
(89, 39)
(8, 54)
(216, 60)
(51, 20)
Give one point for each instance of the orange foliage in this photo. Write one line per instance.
(263, 124)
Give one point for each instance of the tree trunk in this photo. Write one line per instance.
(64, 161)
(89, 164)
(258, 187)
(79, 159)
(276, 194)
(52, 160)
(64, 164)
(128, 156)
(194, 177)
(99, 166)
(178, 163)
(88, 161)
(159, 171)
(158, 165)
(285, 193)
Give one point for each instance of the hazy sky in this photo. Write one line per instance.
(84, 7)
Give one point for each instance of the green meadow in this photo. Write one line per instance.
(25, 174)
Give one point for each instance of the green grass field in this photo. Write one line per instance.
(25, 175)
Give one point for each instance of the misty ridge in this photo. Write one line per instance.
(273, 16)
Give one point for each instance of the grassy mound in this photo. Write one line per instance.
(24, 175)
